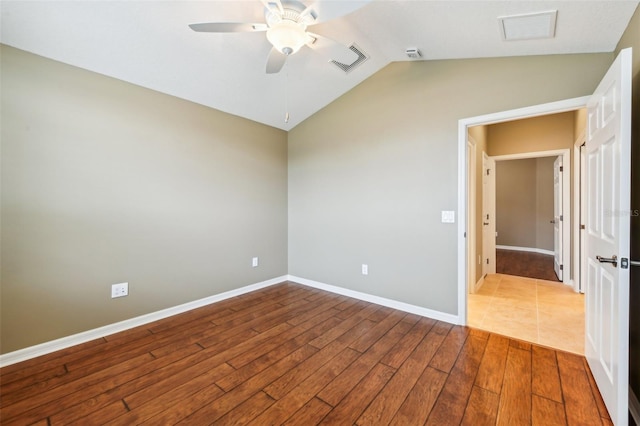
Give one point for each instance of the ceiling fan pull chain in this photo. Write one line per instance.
(286, 97)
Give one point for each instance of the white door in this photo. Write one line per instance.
(557, 217)
(608, 205)
(488, 215)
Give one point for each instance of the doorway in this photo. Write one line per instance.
(465, 250)
(531, 204)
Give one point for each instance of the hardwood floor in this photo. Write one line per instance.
(525, 264)
(293, 355)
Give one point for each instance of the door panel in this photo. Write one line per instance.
(608, 150)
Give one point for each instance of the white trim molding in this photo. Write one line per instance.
(86, 336)
(390, 303)
(529, 249)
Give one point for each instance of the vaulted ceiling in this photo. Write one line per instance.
(149, 43)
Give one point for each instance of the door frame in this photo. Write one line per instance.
(488, 215)
(566, 200)
(580, 206)
(463, 134)
(471, 222)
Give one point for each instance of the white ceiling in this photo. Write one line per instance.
(148, 43)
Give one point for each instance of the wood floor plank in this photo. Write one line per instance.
(311, 414)
(602, 408)
(416, 407)
(283, 349)
(248, 410)
(293, 377)
(230, 400)
(145, 403)
(491, 371)
(365, 341)
(515, 399)
(304, 392)
(304, 332)
(450, 406)
(290, 354)
(350, 407)
(446, 356)
(94, 398)
(181, 409)
(482, 408)
(343, 327)
(408, 343)
(389, 400)
(580, 405)
(345, 382)
(546, 412)
(545, 379)
(33, 407)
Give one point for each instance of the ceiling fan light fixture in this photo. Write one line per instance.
(287, 36)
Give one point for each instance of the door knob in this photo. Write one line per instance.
(612, 260)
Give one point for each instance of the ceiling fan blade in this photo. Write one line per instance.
(275, 61)
(227, 27)
(332, 49)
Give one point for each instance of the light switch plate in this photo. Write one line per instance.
(448, 216)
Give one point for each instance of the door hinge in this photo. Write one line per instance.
(465, 235)
(561, 168)
(488, 170)
(561, 267)
(583, 227)
(487, 261)
(561, 218)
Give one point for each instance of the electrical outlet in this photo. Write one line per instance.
(119, 290)
(365, 269)
(254, 262)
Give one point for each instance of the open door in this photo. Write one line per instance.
(557, 217)
(488, 215)
(608, 153)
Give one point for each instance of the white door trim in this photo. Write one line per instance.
(463, 125)
(578, 207)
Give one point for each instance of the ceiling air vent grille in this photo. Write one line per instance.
(348, 67)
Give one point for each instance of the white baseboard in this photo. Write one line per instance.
(529, 249)
(634, 406)
(479, 284)
(86, 336)
(401, 306)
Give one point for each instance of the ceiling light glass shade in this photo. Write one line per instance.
(287, 36)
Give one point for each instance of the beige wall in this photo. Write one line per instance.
(105, 182)
(370, 174)
(524, 203)
(543, 133)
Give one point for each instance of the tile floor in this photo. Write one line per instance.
(538, 311)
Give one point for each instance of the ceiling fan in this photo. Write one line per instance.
(286, 23)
